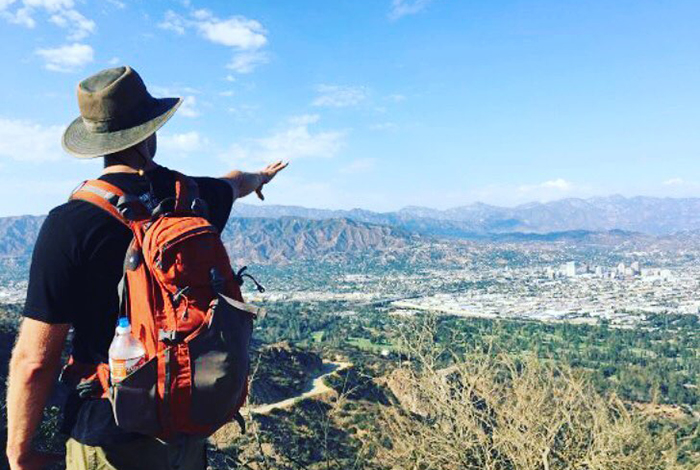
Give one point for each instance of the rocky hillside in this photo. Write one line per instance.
(248, 240)
(287, 239)
(18, 234)
(281, 371)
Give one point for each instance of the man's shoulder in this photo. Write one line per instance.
(75, 218)
(75, 210)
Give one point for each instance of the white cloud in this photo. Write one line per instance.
(245, 37)
(557, 185)
(189, 107)
(396, 98)
(28, 141)
(247, 62)
(293, 142)
(117, 4)
(182, 144)
(238, 32)
(79, 26)
(361, 165)
(339, 96)
(243, 112)
(400, 8)
(114, 61)
(66, 58)
(674, 182)
(384, 126)
(227, 93)
(304, 119)
(62, 13)
(173, 22)
(21, 17)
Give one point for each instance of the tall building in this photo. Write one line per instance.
(636, 269)
(570, 269)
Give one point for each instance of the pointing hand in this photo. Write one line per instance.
(267, 173)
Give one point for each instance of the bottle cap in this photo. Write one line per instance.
(123, 323)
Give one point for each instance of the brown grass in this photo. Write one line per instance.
(493, 412)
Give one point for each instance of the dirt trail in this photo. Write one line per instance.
(318, 387)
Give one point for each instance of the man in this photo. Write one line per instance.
(76, 266)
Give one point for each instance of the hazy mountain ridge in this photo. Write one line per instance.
(282, 234)
(658, 216)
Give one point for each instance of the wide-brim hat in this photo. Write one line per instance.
(116, 112)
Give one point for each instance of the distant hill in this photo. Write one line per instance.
(657, 216)
(248, 240)
(282, 234)
(18, 234)
(289, 239)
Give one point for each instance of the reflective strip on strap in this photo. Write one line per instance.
(256, 312)
(89, 196)
(103, 193)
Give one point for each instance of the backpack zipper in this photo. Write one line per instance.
(183, 236)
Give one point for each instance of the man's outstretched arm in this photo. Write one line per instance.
(245, 183)
(34, 366)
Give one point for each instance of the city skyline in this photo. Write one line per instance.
(378, 104)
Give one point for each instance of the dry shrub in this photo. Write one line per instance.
(496, 412)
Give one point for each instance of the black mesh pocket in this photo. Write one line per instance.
(134, 400)
(219, 361)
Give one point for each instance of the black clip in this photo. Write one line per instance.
(166, 206)
(241, 274)
(200, 208)
(169, 337)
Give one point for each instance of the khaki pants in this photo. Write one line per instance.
(142, 454)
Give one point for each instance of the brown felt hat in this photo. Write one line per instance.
(116, 112)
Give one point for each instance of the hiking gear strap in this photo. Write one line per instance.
(102, 194)
(186, 192)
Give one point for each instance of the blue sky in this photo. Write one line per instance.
(377, 103)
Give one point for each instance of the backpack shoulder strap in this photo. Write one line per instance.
(103, 195)
(186, 191)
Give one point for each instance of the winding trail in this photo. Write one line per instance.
(318, 387)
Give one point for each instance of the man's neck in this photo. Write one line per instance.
(128, 169)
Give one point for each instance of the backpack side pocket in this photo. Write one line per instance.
(135, 401)
(219, 361)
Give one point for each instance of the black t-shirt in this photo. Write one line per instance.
(76, 266)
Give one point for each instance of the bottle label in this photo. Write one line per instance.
(120, 368)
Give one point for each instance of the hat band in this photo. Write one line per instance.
(120, 123)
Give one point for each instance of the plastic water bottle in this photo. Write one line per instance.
(126, 353)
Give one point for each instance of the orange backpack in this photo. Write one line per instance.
(185, 306)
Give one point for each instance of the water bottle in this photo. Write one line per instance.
(126, 353)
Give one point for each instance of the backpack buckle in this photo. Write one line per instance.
(166, 206)
(170, 337)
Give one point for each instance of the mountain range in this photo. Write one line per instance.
(649, 215)
(280, 234)
(249, 240)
